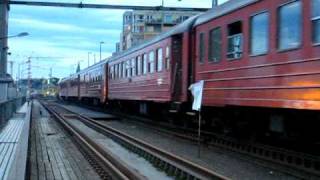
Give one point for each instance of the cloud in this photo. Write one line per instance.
(71, 32)
(52, 26)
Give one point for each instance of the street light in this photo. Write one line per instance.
(100, 48)
(18, 35)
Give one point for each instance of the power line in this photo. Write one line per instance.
(103, 6)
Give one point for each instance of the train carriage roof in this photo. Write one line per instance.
(222, 9)
(178, 29)
(192, 22)
(85, 70)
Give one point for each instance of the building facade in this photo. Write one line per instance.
(4, 80)
(140, 25)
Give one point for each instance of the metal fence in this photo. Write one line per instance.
(7, 108)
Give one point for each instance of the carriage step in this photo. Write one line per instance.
(191, 113)
(173, 111)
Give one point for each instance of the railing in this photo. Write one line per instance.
(7, 108)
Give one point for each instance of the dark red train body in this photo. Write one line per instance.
(280, 78)
(250, 53)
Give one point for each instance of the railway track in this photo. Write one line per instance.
(300, 164)
(106, 166)
(173, 165)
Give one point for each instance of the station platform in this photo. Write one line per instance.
(14, 144)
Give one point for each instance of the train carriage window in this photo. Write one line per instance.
(167, 57)
(159, 59)
(290, 22)
(113, 71)
(138, 65)
(145, 64)
(109, 73)
(128, 68)
(316, 21)
(201, 48)
(235, 39)
(124, 69)
(259, 33)
(133, 67)
(116, 71)
(215, 42)
(119, 70)
(151, 62)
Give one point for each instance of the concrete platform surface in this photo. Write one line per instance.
(14, 145)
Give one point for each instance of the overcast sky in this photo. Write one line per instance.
(66, 35)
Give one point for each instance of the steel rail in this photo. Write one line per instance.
(291, 160)
(117, 167)
(172, 164)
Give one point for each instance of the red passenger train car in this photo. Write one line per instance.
(260, 53)
(88, 85)
(156, 71)
(259, 59)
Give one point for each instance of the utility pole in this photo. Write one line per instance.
(89, 58)
(100, 49)
(29, 76)
(50, 75)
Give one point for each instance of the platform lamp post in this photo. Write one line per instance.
(101, 42)
(18, 35)
(3, 64)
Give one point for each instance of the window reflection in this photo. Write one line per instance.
(259, 34)
(316, 21)
(235, 40)
(290, 25)
(215, 42)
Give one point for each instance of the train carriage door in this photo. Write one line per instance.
(105, 82)
(176, 67)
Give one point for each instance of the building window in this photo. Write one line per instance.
(151, 62)
(215, 43)
(138, 64)
(235, 40)
(316, 21)
(290, 22)
(201, 47)
(168, 19)
(167, 57)
(259, 34)
(145, 64)
(159, 59)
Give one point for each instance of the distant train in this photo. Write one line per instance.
(260, 60)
